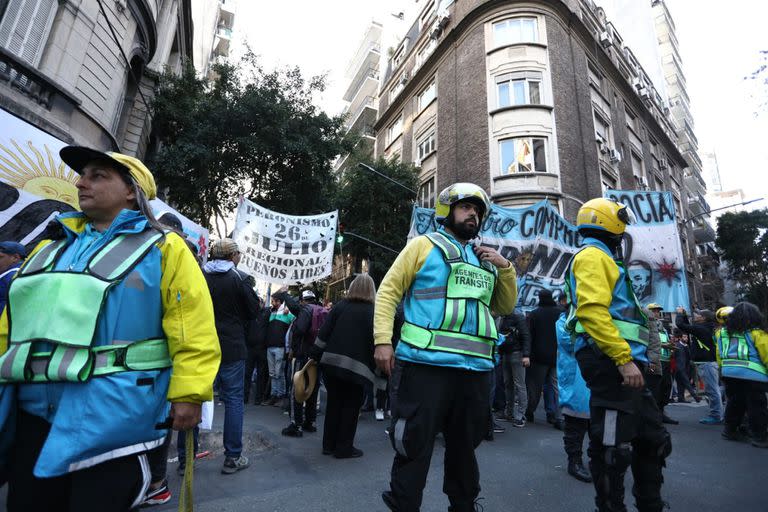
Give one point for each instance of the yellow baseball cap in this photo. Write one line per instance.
(77, 157)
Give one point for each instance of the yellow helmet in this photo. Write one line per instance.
(605, 215)
(461, 192)
(722, 314)
(654, 305)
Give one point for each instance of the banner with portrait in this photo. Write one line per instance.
(540, 243)
(36, 186)
(284, 249)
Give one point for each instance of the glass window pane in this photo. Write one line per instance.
(528, 32)
(535, 94)
(514, 31)
(539, 155)
(501, 32)
(524, 155)
(504, 94)
(507, 156)
(518, 88)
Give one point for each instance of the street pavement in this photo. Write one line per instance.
(522, 470)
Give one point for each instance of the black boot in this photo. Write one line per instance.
(577, 470)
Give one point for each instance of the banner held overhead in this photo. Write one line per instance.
(284, 249)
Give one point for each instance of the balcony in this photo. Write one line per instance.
(221, 42)
(695, 184)
(365, 83)
(364, 115)
(227, 13)
(697, 204)
(703, 233)
(18, 75)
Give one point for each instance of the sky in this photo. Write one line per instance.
(719, 45)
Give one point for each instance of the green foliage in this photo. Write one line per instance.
(247, 132)
(372, 207)
(743, 240)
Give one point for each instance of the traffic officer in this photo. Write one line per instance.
(659, 375)
(446, 351)
(106, 324)
(611, 343)
(742, 352)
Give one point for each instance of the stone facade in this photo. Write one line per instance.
(97, 88)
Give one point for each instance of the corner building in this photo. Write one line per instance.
(531, 100)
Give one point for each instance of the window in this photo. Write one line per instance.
(515, 30)
(427, 193)
(395, 129)
(427, 95)
(425, 51)
(427, 14)
(397, 87)
(607, 182)
(522, 88)
(602, 132)
(426, 146)
(25, 27)
(523, 155)
(659, 184)
(595, 77)
(632, 123)
(637, 171)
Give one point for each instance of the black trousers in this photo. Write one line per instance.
(306, 413)
(625, 430)
(535, 376)
(158, 459)
(341, 412)
(112, 486)
(683, 383)
(574, 431)
(746, 396)
(257, 359)
(660, 385)
(428, 400)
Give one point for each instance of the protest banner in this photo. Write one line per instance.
(284, 249)
(36, 186)
(540, 243)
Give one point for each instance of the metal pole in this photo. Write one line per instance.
(721, 208)
(369, 168)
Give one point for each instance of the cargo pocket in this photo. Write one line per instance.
(405, 432)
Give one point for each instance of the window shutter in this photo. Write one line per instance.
(25, 27)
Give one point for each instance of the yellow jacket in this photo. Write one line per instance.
(401, 275)
(596, 274)
(188, 320)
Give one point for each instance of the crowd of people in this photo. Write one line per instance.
(114, 333)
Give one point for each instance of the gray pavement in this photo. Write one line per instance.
(522, 470)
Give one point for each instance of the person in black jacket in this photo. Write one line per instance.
(235, 305)
(303, 334)
(543, 357)
(703, 355)
(257, 358)
(515, 358)
(344, 348)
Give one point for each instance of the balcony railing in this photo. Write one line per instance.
(21, 76)
(368, 102)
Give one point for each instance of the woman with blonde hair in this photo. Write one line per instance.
(344, 347)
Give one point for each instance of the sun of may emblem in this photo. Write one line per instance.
(43, 175)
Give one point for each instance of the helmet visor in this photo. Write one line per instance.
(626, 215)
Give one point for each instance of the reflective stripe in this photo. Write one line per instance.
(146, 480)
(627, 330)
(609, 428)
(485, 326)
(122, 253)
(14, 361)
(751, 365)
(320, 343)
(115, 454)
(464, 345)
(43, 258)
(437, 290)
(348, 363)
(451, 314)
(448, 248)
(398, 437)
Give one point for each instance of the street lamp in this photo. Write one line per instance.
(721, 208)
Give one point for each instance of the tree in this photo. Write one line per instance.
(743, 240)
(247, 132)
(376, 209)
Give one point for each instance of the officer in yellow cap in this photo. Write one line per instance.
(611, 338)
(441, 378)
(107, 322)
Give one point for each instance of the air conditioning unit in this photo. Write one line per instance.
(637, 83)
(404, 79)
(644, 93)
(604, 149)
(663, 164)
(615, 156)
(605, 39)
(443, 17)
(417, 162)
(641, 182)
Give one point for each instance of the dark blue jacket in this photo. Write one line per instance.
(5, 283)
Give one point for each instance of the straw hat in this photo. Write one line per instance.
(304, 381)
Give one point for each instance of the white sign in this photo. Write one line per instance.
(284, 249)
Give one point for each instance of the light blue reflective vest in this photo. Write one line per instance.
(447, 309)
(626, 312)
(112, 415)
(739, 357)
(573, 391)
